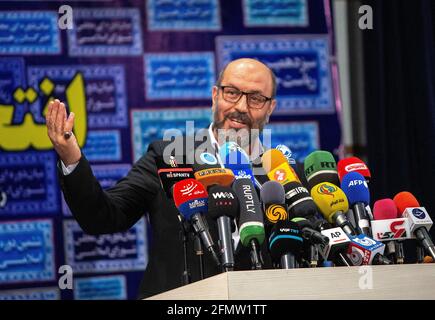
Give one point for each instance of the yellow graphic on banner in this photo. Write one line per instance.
(19, 137)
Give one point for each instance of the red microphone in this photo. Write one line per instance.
(346, 165)
(191, 199)
(419, 220)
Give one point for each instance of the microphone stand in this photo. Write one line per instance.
(199, 252)
(185, 276)
(256, 258)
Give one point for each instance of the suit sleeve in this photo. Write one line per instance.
(118, 208)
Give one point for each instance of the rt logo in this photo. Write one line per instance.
(418, 213)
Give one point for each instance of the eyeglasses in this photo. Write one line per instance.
(253, 99)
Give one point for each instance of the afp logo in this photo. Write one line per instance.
(418, 213)
(357, 182)
(208, 158)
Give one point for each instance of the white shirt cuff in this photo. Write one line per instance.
(67, 170)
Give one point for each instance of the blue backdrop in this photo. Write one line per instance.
(129, 70)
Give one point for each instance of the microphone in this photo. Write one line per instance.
(285, 244)
(299, 201)
(386, 227)
(215, 176)
(272, 197)
(333, 204)
(297, 198)
(251, 225)
(309, 233)
(169, 176)
(286, 152)
(418, 219)
(236, 159)
(353, 164)
(277, 168)
(190, 198)
(320, 167)
(364, 250)
(338, 244)
(314, 240)
(223, 207)
(357, 192)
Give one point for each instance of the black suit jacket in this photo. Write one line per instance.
(120, 207)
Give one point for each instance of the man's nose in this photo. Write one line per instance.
(242, 104)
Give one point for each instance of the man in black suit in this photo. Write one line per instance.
(243, 99)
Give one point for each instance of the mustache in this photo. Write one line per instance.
(238, 116)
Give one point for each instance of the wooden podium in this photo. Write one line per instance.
(412, 281)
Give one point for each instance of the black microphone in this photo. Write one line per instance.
(299, 201)
(309, 233)
(223, 207)
(251, 223)
(285, 244)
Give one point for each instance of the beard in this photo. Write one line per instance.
(244, 137)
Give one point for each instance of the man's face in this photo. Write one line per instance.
(245, 76)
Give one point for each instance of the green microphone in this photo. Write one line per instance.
(320, 166)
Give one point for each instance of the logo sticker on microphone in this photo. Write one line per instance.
(355, 166)
(418, 213)
(327, 189)
(208, 158)
(280, 175)
(276, 212)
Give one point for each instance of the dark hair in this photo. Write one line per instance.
(272, 76)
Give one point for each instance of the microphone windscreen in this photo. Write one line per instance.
(251, 222)
(352, 164)
(299, 201)
(216, 175)
(329, 198)
(354, 185)
(190, 197)
(222, 201)
(320, 166)
(272, 192)
(385, 209)
(233, 155)
(285, 238)
(405, 200)
(271, 159)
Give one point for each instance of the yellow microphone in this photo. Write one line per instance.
(277, 167)
(333, 204)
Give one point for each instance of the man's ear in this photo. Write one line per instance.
(214, 95)
(271, 108)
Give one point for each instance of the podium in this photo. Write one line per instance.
(411, 281)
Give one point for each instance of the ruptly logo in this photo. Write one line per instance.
(418, 213)
(208, 158)
(327, 189)
(276, 212)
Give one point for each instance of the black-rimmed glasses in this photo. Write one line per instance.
(254, 100)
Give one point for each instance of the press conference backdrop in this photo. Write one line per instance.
(130, 70)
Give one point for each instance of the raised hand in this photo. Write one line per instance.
(59, 129)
